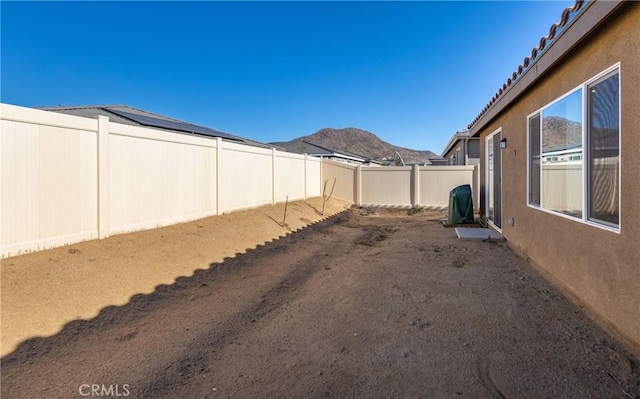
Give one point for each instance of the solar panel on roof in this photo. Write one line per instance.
(173, 125)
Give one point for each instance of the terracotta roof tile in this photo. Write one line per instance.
(566, 14)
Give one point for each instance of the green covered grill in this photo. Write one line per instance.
(461, 205)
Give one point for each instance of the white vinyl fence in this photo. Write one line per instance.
(562, 187)
(67, 179)
(399, 186)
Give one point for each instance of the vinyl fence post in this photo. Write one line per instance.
(321, 182)
(103, 176)
(305, 176)
(415, 177)
(273, 176)
(218, 174)
(358, 184)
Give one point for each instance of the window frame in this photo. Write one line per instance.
(488, 177)
(531, 204)
(599, 79)
(586, 156)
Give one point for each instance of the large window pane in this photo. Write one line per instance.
(563, 176)
(562, 155)
(604, 149)
(534, 160)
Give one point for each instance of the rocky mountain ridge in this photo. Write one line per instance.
(357, 141)
(560, 133)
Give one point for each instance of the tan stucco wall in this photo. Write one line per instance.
(599, 268)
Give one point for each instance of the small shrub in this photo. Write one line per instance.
(415, 209)
(366, 211)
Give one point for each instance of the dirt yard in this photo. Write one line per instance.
(363, 304)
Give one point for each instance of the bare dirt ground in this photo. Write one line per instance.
(43, 291)
(359, 305)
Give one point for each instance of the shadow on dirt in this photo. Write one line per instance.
(184, 289)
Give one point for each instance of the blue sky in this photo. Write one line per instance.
(410, 72)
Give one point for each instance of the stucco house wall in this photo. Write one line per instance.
(597, 267)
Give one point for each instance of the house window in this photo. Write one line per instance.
(603, 107)
(561, 132)
(534, 159)
(576, 140)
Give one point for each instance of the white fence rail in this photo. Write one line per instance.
(437, 181)
(400, 186)
(67, 179)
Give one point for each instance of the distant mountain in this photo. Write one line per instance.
(560, 133)
(357, 141)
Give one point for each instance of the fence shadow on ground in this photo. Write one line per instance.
(32, 349)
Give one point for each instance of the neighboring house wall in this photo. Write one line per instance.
(398, 186)
(67, 179)
(598, 266)
(455, 155)
(464, 151)
(473, 151)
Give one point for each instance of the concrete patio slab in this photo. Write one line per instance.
(473, 233)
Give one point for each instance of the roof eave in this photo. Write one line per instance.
(458, 136)
(452, 141)
(592, 15)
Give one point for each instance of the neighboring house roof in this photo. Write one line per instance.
(305, 147)
(136, 117)
(457, 136)
(437, 160)
(550, 50)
